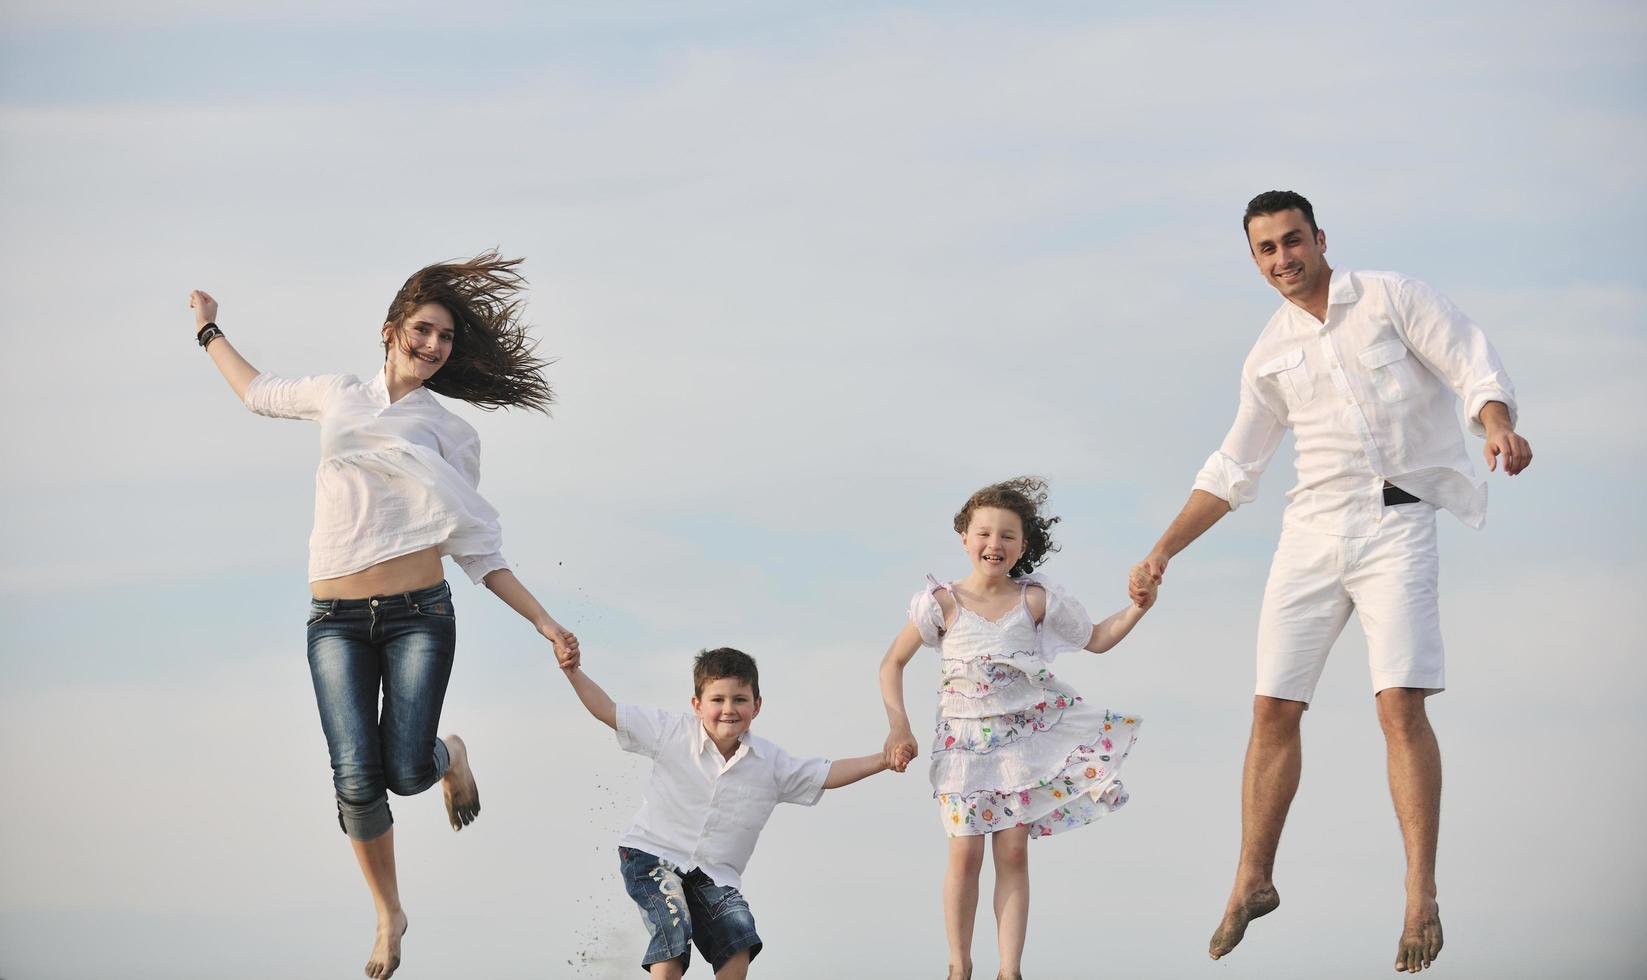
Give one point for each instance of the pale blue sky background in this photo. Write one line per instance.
(811, 274)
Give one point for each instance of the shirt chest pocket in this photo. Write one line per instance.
(746, 806)
(1292, 374)
(1390, 368)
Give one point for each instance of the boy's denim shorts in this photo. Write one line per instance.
(682, 908)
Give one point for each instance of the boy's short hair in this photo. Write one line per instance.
(723, 662)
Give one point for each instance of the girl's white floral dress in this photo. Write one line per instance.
(1015, 746)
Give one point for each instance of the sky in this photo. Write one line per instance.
(809, 275)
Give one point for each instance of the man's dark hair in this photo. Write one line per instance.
(723, 662)
(1274, 202)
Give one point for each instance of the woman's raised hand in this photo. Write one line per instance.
(205, 309)
(900, 750)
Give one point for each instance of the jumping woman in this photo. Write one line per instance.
(395, 491)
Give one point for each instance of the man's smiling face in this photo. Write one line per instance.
(1290, 255)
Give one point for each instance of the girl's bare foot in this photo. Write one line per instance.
(458, 785)
(386, 950)
(1260, 901)
(1420, 938)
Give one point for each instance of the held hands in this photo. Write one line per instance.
(566, 645)
(205, 309)
(1144, 580)
(900, 750)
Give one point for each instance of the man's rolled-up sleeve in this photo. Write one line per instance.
(1456, 350)
(1231, 473)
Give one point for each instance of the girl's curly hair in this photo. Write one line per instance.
(491, 364)
(1024, 497)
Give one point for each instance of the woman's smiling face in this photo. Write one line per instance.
(422, 342)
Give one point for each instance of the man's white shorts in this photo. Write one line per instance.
(1389, 579)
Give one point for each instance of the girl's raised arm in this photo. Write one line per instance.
(236, 371)
(901, 747)
(1114, 629)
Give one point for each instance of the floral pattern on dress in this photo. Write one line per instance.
(1014, 746)
(1083, 790)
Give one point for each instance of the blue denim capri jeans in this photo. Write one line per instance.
(681, 908)
(401, 645)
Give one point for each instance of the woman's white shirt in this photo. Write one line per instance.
(394, 478)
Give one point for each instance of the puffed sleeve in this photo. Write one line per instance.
(292, 398)
(799, 780)
(927, 615)
(1066, 625)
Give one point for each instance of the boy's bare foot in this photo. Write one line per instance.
(1259, 902)
(386, 949)
(1420, 938)
(458, 785)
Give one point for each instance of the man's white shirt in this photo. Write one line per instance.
(1369, 394)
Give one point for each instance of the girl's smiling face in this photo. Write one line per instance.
(994, 540)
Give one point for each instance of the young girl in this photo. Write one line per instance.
(396, 491)
(1018, 754)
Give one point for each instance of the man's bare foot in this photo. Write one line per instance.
(1420, 939)
(1260, 901)
(386, 949)
(458, 785)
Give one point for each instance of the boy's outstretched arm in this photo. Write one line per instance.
(596, 700)
(845, 772)
(1141, 585)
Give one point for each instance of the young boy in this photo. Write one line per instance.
(713, 786)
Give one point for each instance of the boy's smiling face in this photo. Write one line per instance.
(726, 707)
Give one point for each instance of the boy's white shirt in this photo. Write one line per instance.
(702, 810)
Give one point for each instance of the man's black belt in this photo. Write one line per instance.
(1395, 495)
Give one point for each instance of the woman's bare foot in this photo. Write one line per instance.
(1260, 901)
(1420, 938)
(458, 785)
(960, 972)
(386, 949)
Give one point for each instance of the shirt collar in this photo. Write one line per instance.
(1343, 288)
(380, 389)
(748, 741)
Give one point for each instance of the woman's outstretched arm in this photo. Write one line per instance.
(515, 595)
(236, 371)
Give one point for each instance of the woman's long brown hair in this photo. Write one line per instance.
(491, 364)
